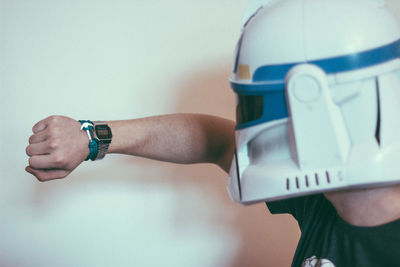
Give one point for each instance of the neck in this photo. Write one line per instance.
(367, 207)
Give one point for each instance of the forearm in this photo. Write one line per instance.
(179, 138)
(58, 146)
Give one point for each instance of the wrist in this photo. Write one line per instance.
(99, 135)
(123, 140)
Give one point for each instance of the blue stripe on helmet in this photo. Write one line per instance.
(335, 64)
(270, 80)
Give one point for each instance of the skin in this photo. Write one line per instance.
(367, 207)
(58, 146)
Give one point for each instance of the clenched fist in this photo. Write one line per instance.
(56, 148)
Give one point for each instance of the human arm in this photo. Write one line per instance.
(58, 145)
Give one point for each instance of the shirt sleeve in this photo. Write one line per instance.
(299, 207)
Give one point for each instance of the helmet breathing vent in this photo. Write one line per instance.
(318, 179)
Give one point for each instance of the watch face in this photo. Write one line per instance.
(103, 132)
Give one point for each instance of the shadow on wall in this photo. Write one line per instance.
(265, 240)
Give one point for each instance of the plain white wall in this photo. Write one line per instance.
(123, 59)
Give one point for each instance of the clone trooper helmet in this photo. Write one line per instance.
(318, 99)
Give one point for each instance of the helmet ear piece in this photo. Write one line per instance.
(316, 121)
(305, 82)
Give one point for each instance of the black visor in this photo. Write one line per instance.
(249, 108)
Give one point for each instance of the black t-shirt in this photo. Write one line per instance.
(327, 240)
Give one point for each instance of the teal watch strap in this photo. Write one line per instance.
(93, 145)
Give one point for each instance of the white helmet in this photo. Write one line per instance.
(318, 89)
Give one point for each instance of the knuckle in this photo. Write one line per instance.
(53, 119)
(53, 144)
(59, 159)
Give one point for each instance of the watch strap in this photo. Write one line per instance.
(87, 126)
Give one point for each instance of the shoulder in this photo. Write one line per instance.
(302, 207)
